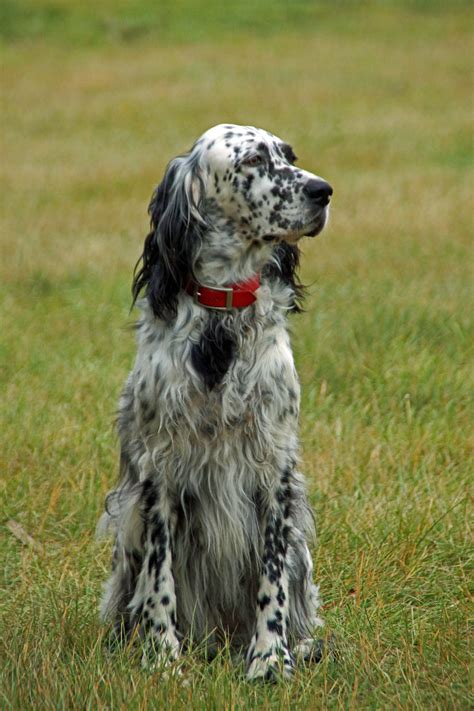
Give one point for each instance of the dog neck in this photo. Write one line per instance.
(231, 260)
(233, 296)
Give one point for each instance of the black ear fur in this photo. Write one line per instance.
(284, 265)
(170, 247)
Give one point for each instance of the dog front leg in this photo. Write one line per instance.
(269, 654)
(154, 603)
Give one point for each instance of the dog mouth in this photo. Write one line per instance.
(317, 224)
(315, 231)
(310, 229)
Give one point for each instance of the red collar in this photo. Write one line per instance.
(225, 298)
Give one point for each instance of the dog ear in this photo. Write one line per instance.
(284, 265)
(170, 248)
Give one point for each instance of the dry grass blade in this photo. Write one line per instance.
(19, 532)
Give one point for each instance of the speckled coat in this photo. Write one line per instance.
(210, 515)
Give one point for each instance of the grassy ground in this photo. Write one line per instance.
(374, 98)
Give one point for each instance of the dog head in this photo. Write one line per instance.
(224, 210)
(254, 189)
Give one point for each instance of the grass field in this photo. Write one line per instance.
(376, 98)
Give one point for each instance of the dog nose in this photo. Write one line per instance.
(318, 191)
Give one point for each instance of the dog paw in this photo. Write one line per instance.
(310, 650)
(270, 666)
(160, 652)
(313, 651)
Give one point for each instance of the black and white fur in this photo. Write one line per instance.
(210, 516)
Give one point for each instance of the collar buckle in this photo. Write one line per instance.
(229, 293)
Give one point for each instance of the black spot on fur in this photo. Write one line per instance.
(149, 495)
(158, 530)
(281, 597)
(288, 153)
(215, 352)
(152, 562)
(274, 626)
(264, 601)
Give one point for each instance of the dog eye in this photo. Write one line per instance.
(253, 161)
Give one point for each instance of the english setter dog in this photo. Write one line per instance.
(210, 515)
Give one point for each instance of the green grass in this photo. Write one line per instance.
(374, 98)
(120, 21)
